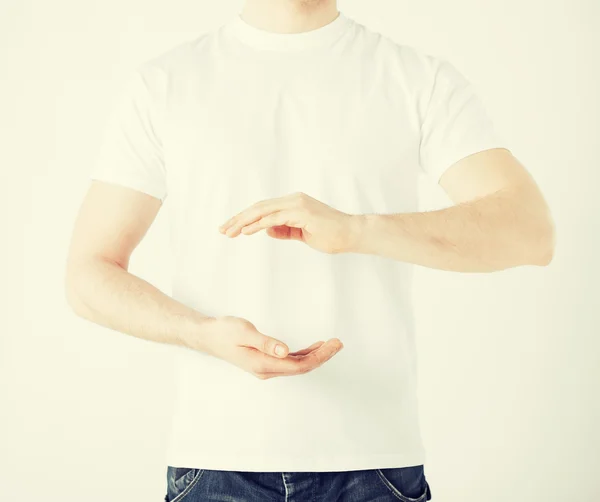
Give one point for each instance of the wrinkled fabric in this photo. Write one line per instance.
(348, 117)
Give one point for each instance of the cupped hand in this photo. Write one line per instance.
(237, 341)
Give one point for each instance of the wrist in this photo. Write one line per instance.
(197, 332)
(357, 233)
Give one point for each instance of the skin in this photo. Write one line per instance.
(110, 224)
(499, 220)
(289, 16)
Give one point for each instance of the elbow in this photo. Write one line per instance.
(545, 243)
(547, 253)
(545, 258)
(71, 292)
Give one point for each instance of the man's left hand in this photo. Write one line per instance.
(298, 217)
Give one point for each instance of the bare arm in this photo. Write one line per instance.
(111, 223)
(500, 220)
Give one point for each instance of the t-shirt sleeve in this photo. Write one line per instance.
(130, 151)
(456, 123)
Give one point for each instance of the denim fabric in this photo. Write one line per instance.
(405, 484)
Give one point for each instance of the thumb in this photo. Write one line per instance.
(268, 345)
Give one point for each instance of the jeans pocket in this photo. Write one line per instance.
(180, 481)
(407, 484)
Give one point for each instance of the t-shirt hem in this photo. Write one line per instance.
(140, 186)
(270, 463)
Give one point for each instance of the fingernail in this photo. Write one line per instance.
(279, 350)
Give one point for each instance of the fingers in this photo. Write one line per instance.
(280, 232)
(285, 233)
(276, 219)
(263, 366)
(253, 213)
(307, 349)
(264, 344)
(261, 209)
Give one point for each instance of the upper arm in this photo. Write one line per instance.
(111, 222)
(460, 148)
(494, 170)
(128, 172)
(490, 171)
(483, 173)
(131, 151)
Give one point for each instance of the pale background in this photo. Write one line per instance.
(509, 362)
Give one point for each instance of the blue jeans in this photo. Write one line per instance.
(405, 484)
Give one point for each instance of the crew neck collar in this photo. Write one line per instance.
(269, 40)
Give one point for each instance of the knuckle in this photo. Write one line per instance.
(226, 318)
(300, 198)
(243, 323)
(313, 360)
(265, 345)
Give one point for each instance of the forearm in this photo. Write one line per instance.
(499, 231)
(107, 294)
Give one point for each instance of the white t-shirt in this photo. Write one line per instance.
(349, 117)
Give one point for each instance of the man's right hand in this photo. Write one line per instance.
(237, 341)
